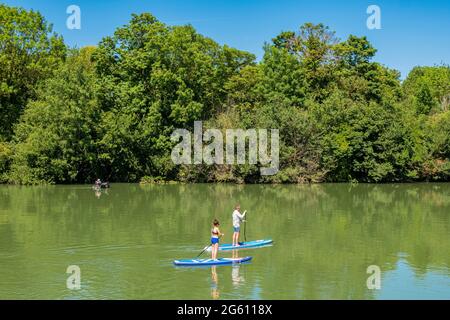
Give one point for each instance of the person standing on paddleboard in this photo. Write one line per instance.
(215, 235)
(237, 219)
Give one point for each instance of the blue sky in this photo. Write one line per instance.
(413, 32)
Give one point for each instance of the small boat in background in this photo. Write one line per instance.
(101, 185)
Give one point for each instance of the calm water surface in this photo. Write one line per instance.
(125, 240)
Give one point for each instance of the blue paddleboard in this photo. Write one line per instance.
(210, 262)
(244, 245)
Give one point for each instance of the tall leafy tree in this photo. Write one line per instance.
(429, 89)
(56, 140)
(298, 64)
(29, 53)
(156, 78)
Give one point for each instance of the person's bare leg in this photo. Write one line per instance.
(237, 239)
(216, 247)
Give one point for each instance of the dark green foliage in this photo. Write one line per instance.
(155, 79)
(109, 111)
(56, 140)
(428, 89)
(29, 52)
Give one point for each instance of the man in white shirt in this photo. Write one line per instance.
(237, 219)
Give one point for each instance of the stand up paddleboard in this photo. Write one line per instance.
(244, 245)
(210, 262)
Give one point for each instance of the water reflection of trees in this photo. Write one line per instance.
(326, 235)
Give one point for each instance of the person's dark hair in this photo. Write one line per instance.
(216, 222)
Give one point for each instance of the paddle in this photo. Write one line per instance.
(205, 249)
(245, 227)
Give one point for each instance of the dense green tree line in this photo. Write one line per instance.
(71, 115)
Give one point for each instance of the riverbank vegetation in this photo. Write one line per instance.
(72, 115)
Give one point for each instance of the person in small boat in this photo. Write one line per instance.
(98, 183)
(237, 219)
(215, 236)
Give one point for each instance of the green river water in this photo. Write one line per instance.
(325, 237)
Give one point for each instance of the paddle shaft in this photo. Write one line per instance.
(206, 249)
(245, 227)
